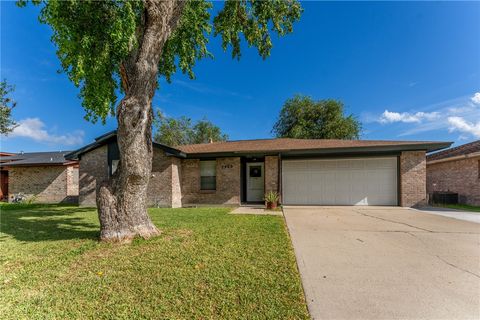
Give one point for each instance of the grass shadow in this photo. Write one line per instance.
(48, 223)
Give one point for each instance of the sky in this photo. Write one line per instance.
(406, 70)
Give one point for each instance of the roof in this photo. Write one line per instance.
(112, 136)
(291, 145)
(50, 158)
(271, 146)
(463, 150)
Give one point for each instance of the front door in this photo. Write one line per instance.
(255, 181)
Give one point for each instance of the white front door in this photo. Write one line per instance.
(255, 181)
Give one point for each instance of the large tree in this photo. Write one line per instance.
(7, 124)
(180, 131)
(304, 118)
(114, 45)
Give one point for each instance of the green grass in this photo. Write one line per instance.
(464, 207)
(207, 264)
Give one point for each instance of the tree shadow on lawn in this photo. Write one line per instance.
(48, 223)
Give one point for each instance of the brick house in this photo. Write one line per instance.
(46, 177)
(456, 170)
(311, 172)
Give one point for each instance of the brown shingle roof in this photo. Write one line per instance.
(464, 149)
(284, 144)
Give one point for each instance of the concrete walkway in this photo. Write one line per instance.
(386, 263)
(255, 210)
(453, 213)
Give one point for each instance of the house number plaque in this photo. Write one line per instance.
(227, 166)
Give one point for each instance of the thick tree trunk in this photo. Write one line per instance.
(122, 200)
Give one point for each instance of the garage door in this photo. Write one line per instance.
(359, 181)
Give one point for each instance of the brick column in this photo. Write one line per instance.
(413, 179)
(271, 173)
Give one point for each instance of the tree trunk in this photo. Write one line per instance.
(122, 200)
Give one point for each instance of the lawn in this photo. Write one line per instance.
(206, 264)
(464, 207)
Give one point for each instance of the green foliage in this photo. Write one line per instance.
(205, 132)
(303, 118)
(255, 19)
(189, 41)
(271, 197)
(94, 38)
(7, 124)
(181, 131)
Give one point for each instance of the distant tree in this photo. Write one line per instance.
(123, 46)
(7, 124)
(181, 131)
(205, 132)
(303, 118)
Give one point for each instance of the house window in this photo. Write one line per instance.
(208, 175)
(114, 166)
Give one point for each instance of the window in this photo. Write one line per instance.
(208, 175)
(255, 171)
(114, 166)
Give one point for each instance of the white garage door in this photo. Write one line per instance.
(357, 181)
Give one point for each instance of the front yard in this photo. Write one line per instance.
(206, 264)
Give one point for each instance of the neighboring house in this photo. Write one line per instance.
(44, 177)
(456, 170)
(310, 172)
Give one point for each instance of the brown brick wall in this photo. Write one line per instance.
(46, 184)
(93, 171)
(460, 176)
(228, 183)
(412, 178)
(159, 192)
(271, 173)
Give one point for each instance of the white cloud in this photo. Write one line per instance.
(476, 98)
(463, 126)
(461, 115)
(34, 128)
(389, 117)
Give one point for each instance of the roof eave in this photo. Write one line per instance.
(428, 147)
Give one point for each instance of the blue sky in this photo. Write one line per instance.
(408, 71)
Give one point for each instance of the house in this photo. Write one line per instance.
(44, 177)
(456, 170)
(308, 172)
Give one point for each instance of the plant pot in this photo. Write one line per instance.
(271, 205)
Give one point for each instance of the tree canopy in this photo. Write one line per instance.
(303, 118)
(7, 124)
(94, 39)
(180, 131)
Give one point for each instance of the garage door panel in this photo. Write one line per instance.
(361, 181)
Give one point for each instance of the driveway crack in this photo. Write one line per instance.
(443, 260)
(393, 221)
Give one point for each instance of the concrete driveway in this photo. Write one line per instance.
(386, 263)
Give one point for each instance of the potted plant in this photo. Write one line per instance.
(271, 200)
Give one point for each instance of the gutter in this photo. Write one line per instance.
(462, 157)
